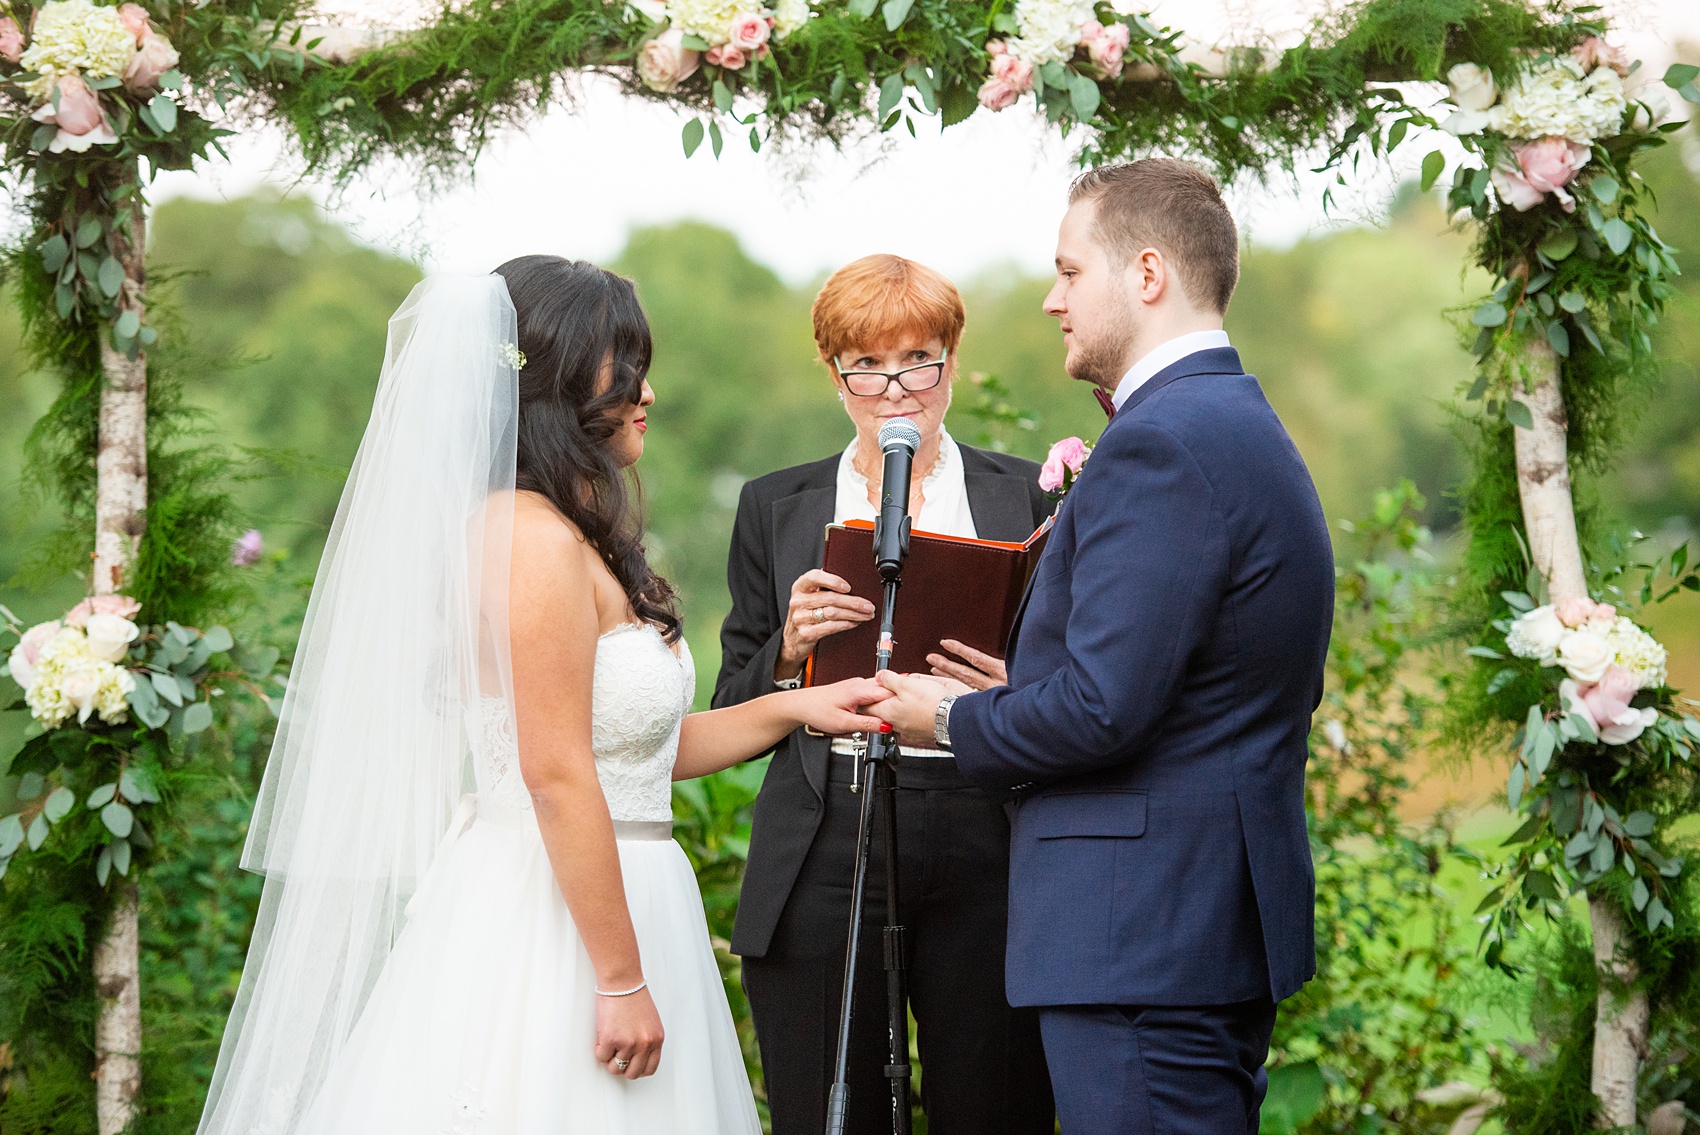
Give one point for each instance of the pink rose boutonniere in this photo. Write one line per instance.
(1062, 465)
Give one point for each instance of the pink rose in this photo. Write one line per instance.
(1066, 456)
(121, 605)
(995, 94)
(1595, 52)
(996, 47)
(1579, 610)
(748, 32)
(28, 652)
(1090, 31)
(1608, 699)
(11, 40)
(248, 549)
(1551, 163)
(1017, 73)
(665, 61)
(1106, 49)
(1515, 191)
(134, 17)
(153, 58)
(728, 57)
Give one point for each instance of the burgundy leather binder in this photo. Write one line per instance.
(953, 587)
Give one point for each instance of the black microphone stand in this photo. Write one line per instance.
(876, 773)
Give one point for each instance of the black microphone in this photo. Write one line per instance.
(898, 441)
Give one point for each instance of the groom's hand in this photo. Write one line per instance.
(911, 708)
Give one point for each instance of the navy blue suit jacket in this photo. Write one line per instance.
(1162, 676)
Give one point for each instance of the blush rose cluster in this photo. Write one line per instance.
(1606, 658)
(74, 666)
(1052, 31)
(74, 51)
(721, 33)
(1062, 465)
(1551, 115)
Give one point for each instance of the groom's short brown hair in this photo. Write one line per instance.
(1173, 207)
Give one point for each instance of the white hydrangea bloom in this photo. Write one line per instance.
(789, 15)
(1556, 98)
(709, 19)
(72, 36)
(72, 682)
(1638, 652)
(1048, 31)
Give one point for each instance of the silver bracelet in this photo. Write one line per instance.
(622, 992)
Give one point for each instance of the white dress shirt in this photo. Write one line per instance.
(1165, 355)
(944, 509)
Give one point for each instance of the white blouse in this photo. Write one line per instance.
(944, 493)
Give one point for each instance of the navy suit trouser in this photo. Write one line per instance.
(1132, 1070)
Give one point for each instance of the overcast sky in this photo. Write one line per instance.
(984, 194)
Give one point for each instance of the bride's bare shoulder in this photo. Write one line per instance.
(543, 535)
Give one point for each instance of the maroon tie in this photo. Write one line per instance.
(1105, 401)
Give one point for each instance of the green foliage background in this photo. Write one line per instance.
(289, 312)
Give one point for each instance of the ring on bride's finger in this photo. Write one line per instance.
(622, 1064)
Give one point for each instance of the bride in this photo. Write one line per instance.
(475, 919)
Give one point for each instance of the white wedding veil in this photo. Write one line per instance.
(406, 627)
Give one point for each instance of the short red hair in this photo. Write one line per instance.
(874, 301)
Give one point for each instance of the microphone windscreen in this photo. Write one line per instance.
(900, 431)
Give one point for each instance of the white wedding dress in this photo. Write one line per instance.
(482, 1021)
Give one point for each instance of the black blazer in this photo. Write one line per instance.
(779, 534)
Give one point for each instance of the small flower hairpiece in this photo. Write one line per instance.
(513, 356)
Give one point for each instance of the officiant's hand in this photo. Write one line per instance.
(979, 671)
(821, 606)
(911, 708)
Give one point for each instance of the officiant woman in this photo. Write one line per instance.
(887, 330)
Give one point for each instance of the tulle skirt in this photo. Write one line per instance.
(483, 1019)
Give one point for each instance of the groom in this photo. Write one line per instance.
(1162, 675)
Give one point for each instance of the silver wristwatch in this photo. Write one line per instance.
(941, 720)
(789, 683)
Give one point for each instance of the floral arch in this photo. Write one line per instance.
(1569, 689)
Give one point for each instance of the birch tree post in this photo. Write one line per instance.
(1549, 518)
(121, 495)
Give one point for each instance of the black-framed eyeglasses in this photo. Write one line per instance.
(874, 383)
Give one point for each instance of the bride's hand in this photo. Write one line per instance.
(836, 709)
(628, 1029)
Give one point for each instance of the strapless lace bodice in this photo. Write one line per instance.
(640, 696)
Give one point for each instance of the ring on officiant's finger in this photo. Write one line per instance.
(622, 1064)
(820, 614)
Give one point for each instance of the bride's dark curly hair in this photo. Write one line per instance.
(573, 319)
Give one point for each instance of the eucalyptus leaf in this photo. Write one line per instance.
(1518, 414)
(1433, 166)
(166, 686)
(863, 8)
(1559, 245)
(1517, 600)
(1490, 314)
(1639, 824)
(1572, 302)
(1603, 855)
(1680, 75)
(1514, 786)
(1541, 885)
(716, 140)
(38, 830)
(722, 97)
(88, 232)
(692, 136)
(128, 324)
(1617, 234)
(896, 11)
(103, 795)
(31, 785)
(121, 856)
(1484, 652)
(118, 818)
(1639, 893)
(891, 93)
(103, 865)
(55, 250)
(137, 785)
(1605, 189)
(1657, 914)
(111, 276)
(1084, 94)
(11, 835)
(1558, 337)
(59, 804)
(197, 717)
(1579, 845)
